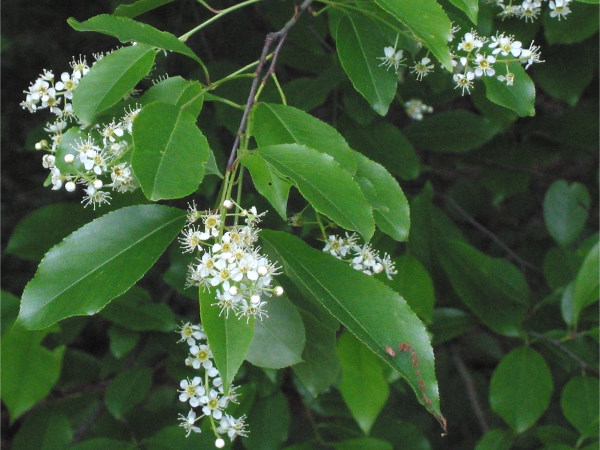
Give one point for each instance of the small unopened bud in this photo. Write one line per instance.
(262, 271)
(98, 184)
(378, 268)
(38, 145)
(69, 158)
(233, 290)
(69, 186)
(278, 291)
(255, 300)
(227, 204)
(219, 443)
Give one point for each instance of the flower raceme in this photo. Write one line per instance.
(230, 263)
(206, 392)
(96, 160)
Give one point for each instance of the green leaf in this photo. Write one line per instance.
(139, 7)
(496, 439)
(170, 152)
(521, 388)
(9, 305)
(520, 97)
(449, 323)
(469, 7)
(97, 263)
(101, 444)
(45, 227)
(559, 79)
(134, 310)
(384, 143)
(580, 24)
(268, 183)
(382, 191)
(279, 339)
(359, 44)
(320, 179)
(414, 284)
(29, 370)
(586, 282)
(280, 124)
(446, 132)
(44, 430)
(374, 313)
(363, 443)
(126, 390)
(229, 337)
(363, 385)
(269, 419)
(494, 289)
(428, 21)
(185, 94)
(566, 211)
(129, 30)
(122, 341)
(579, 403)
(110, 79)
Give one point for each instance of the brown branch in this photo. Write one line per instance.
(470, 387)
(279, 37)
(565, 350)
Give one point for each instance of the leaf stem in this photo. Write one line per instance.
(184, 37)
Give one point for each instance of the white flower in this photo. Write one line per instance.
(67, 84)
(122, 181)
(111, 132)
(94, 160)
(504, 45)
(470, 42)
(191, 240)
(559, 8)
(393, 58)
(95, 197)
(422, 68)
(191, 391)
(484, 65)
(232, 427)
(188, 423)
(130, 116)
(48, 161)
(202, 355)
(213, 404)
(530, 10)
(531, 55)
(191, 333)
(80, 67)
(464, 81)
(57, 178)
(509, 78)
(415, 109)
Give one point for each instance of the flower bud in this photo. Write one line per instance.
(233, 290)
(278, 291)
(219, 443)
(255, 300)
(227, 204)
(262, 271)
(69, 158)
(98, 184)
(69, 186)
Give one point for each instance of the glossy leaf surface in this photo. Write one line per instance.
(386, 321)
(97, 263)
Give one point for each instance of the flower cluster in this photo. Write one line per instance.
(229, 262)
(529, 10)
(361, 257)
(95, 159)
(472, 60)
(415, 109)
(206, 392)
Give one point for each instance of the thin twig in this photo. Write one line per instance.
(470, 387)
(85, 426)
(490, 234)
(279, 37)
(569, 353)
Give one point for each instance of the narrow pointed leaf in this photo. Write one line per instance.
(139, 7)
(110, 79)
(280, 124)
(186, 94)
(97, 263)
(359, 44)
(129, 30)
(586, 283)
(170, 152)
(390, 207)
(320, 179)
(373, 312)
(469, 7)
(427, 20)
(229, 337)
